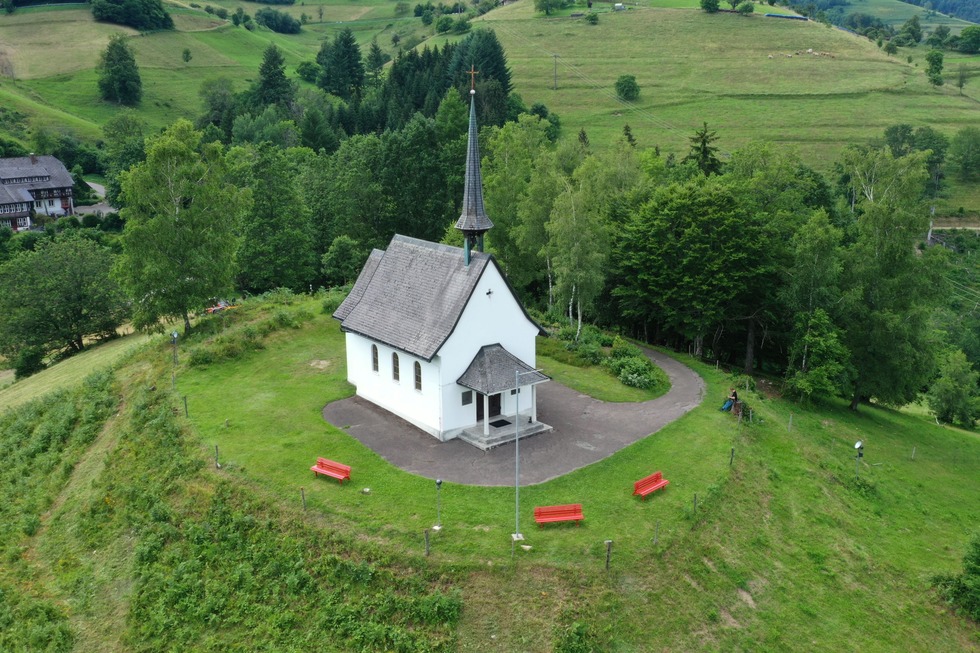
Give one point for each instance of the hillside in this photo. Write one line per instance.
(751, 78)
(137, 542)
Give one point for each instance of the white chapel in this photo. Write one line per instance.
(436, 335)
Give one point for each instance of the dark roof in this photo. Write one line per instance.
(494, 370)
(412, 295)
(20, 167)
(474, 216)
(363, 281)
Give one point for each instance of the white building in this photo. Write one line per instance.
(436, 335)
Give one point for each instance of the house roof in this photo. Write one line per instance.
(412, 295)
(20, 167)
(494, 369)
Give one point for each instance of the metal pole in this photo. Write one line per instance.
(302, 494)
(185, 407)
(427, 542)
(608, 552)
(732, 459)
(857, 467)
(216, 463)
(656, 534)
(517, 453)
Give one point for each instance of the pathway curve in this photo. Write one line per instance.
(586, 430)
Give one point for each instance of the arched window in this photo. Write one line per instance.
(394, 366)
(374, 357)
(418, 376)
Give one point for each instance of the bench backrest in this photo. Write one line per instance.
(333, 465)
(571, 508)
(649, 480)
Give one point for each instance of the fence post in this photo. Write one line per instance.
(186, 414)
(216, 463)
(732, 459)
(695, 503)
(608, 552)
(656, 534)
(427, 542)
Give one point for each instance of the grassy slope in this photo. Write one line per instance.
(786, 552)
(787, 547)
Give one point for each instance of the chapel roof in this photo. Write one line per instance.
(412, 295)
(474, 217)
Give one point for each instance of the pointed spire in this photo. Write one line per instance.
(473, 221)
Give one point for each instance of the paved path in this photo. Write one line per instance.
(585, 430)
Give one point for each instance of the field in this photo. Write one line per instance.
(786, 550)
(803, 85)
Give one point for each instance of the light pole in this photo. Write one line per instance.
(517, 536)
(859, 447)
(173, 341)
(438, 526)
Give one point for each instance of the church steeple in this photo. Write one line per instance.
(473, 221)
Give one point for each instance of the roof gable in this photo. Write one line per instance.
(414, 296)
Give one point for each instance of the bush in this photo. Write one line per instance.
(592, 18)
(29, 360)
(277, 21)
(745, 8)
(444, 24)
(710, 6)
(962, 591)
(627, 88)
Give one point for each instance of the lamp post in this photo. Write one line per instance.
(173, 341)
(859, 447)
(517, 536)
(438, 526)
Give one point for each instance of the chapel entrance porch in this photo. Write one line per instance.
(502, 429)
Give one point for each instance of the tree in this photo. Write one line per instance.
(548, 6)
(342, 70)
(376, 60)
(316, 133)
(627, 88)
(935, 70)
(124, 147)
(911, 30)
(938, 36)
(143, 15)
(703, 152)
(889, 290)
(186, 55)
(181, 214)
(272, 87)
(278, 21)
(343, 261)
(964, 153)
(276, 247)
(953, 396)
(710, 6)
(54, 296)
(969, 41)
(961, 77)
(119, 76)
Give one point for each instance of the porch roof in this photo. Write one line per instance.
(494, 369)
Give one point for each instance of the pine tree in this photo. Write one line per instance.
(272, 86)
(119, 76)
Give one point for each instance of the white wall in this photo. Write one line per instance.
(420, 408)
(486, 320)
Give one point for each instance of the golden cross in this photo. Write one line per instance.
(472, 73)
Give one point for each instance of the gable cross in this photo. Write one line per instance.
(472, 72)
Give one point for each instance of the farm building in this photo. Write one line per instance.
(436, 335)
(40, 184)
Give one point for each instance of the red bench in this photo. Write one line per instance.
(651, 483)
(570, 512)
(331, 468)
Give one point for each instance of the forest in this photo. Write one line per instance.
(756, 260)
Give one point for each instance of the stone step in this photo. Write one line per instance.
(487, 442)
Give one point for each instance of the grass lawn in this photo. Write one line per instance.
(69, 372)
(786, 550)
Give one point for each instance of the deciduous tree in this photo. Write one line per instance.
(181, 218)
(53, 297)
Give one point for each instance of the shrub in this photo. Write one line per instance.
(637, 373)
(592, 18)
(710, 6)
(29, 360)
(623, 349)
(745, 8)
(627, 88)
(962, 591)
(444, 24)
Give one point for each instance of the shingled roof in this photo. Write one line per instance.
(492, 371)
(49, 168)
(412, 295)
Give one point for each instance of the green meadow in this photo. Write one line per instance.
(790, 546)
